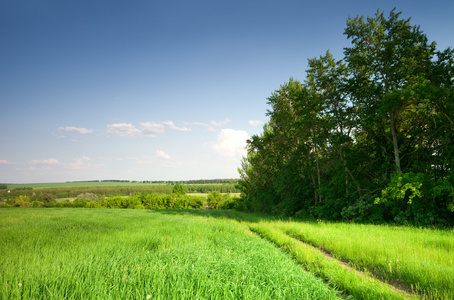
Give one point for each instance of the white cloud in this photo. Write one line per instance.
(82, 163)
(231, 143)
(5, 162)
(147, 129)
(76, 129)
(162, 154)
(123, 129)
(255, 122)
(220, 124)
(174, 127)
(50, 161)
(196, 123)
(150, 127)
(212, 124)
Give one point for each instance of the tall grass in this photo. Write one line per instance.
(361, 286)
(140, 254)
(421, 257)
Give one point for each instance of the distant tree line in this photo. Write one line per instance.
(121, 190)
(178, 199)
(368, 138)
(208, 188)
(70, 192)
(199, 181)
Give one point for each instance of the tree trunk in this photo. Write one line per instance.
(393, 117)
(318, 168)
(315, 189)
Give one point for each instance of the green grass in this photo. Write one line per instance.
(132, 254)
(361, 286)
(422, 258)
(49, 185)
(196, 254)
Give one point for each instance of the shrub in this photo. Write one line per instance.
(217, 200)
(88, 196)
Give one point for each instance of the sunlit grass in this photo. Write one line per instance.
(423, 258)
(140, 254)
(194, 254)
(361, 286)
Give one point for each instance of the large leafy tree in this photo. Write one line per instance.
(389, 60)
(375, 127)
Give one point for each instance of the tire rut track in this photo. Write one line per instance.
(393, 286)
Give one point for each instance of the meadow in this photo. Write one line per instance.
(142, 254)
(71, 184)
(57, 253)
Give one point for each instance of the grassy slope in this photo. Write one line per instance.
(130, 254)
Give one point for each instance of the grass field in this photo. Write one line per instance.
(178, 254)
(141, 254)
(49, 185)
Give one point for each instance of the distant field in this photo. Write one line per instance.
(76, 184)
(206, 194)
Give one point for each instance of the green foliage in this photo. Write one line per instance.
(117, 190)
(3, 187)
(178, 189)
(88, 196)
(375, 127)
(25, 188)
(403, 187)
(216, 200)
(23, 201)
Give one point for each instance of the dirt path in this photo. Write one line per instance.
(396, 285)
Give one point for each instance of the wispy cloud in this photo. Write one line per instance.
(221, 123)
(212, 124)
(82, 163)
(146, 129)
(162, 154)
(255, 122)
(50, 161)
(53, 164)
(231, 143)
(150, 128)
(5, 162)
(124, 129)
(174, 127)
(76, 129)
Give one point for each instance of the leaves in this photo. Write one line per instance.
(375, 125)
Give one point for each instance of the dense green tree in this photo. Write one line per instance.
(178, 189)
(368, 138)
(389, 60)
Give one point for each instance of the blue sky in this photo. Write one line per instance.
(159, 90)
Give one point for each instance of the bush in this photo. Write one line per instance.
(88, 196)
(23, 201)
(217, 200)
(178, 189)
